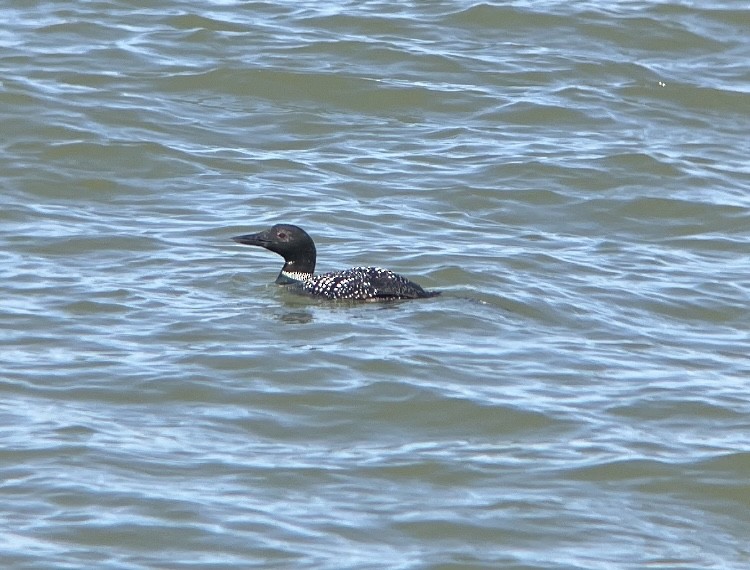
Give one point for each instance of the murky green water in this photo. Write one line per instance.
(574, 178)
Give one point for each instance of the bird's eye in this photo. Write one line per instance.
(281, 235)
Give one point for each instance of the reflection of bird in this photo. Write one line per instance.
(363, 283)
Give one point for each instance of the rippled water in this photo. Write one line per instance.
(573, 176)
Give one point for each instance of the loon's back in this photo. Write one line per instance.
(363, 283)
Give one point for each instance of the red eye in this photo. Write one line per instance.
(281, 235)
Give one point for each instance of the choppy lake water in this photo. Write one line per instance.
(572, 175)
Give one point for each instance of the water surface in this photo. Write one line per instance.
(573, 177)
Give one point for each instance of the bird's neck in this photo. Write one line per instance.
(295, 271)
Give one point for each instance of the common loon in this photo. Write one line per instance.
(362, 283)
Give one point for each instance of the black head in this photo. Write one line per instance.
(290, 242)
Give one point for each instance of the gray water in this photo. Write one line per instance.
(573, 176)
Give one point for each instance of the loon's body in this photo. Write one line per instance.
(360, 283)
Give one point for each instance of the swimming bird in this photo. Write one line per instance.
(360, 283)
